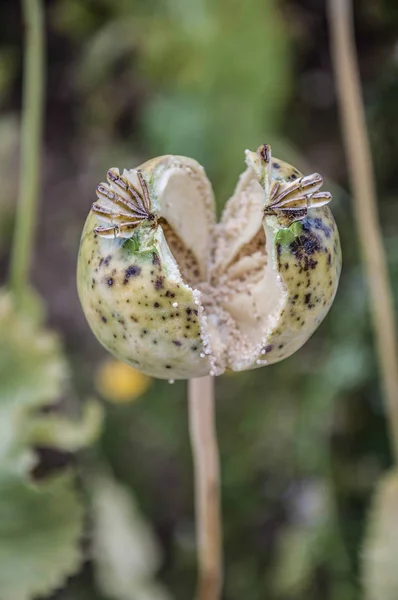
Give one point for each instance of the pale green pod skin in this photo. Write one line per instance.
(307, 257)
(130, 308)
(243, 293)
(304, 270)
(134, 303)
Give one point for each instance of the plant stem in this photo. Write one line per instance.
(31, 133)
(207, 486)
(365, 203)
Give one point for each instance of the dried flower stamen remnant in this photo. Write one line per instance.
(121, 205)
(290, 199)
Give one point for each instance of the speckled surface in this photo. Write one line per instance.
(135, 310)
(141, 308)
(308, 258)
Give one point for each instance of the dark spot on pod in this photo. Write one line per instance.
(159, 281)
(307, 298)
(155, 259)
(312, 263)
(188, 311)
(264, 152)
(329, 259)
(156, 304)
(276, 165)
(168, 366)
(105, 261)
(268, 348)
(177, 343)
(286, 266)
(133, 318)
(155, 342)
(131, 271)
(109, 281)
(104, 319)
(319, 224)
(306, 244)
(194, 348)
(280, 346)
(169, 294)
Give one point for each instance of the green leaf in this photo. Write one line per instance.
(32, 368)
(41, 523)
(287, 235)
(380, 551)
(40, 530)
(63, 433)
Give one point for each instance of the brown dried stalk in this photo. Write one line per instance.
(207, 486)
(365, 202)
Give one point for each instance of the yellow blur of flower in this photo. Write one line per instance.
(119, 383)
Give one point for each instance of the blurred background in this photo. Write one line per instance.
(302, 442)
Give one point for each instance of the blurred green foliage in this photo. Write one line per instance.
(42, 520)
(303, 442)
(216, 74)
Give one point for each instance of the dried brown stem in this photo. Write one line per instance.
(365, 202)
(207, 486)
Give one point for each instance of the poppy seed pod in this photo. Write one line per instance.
(175, 294)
